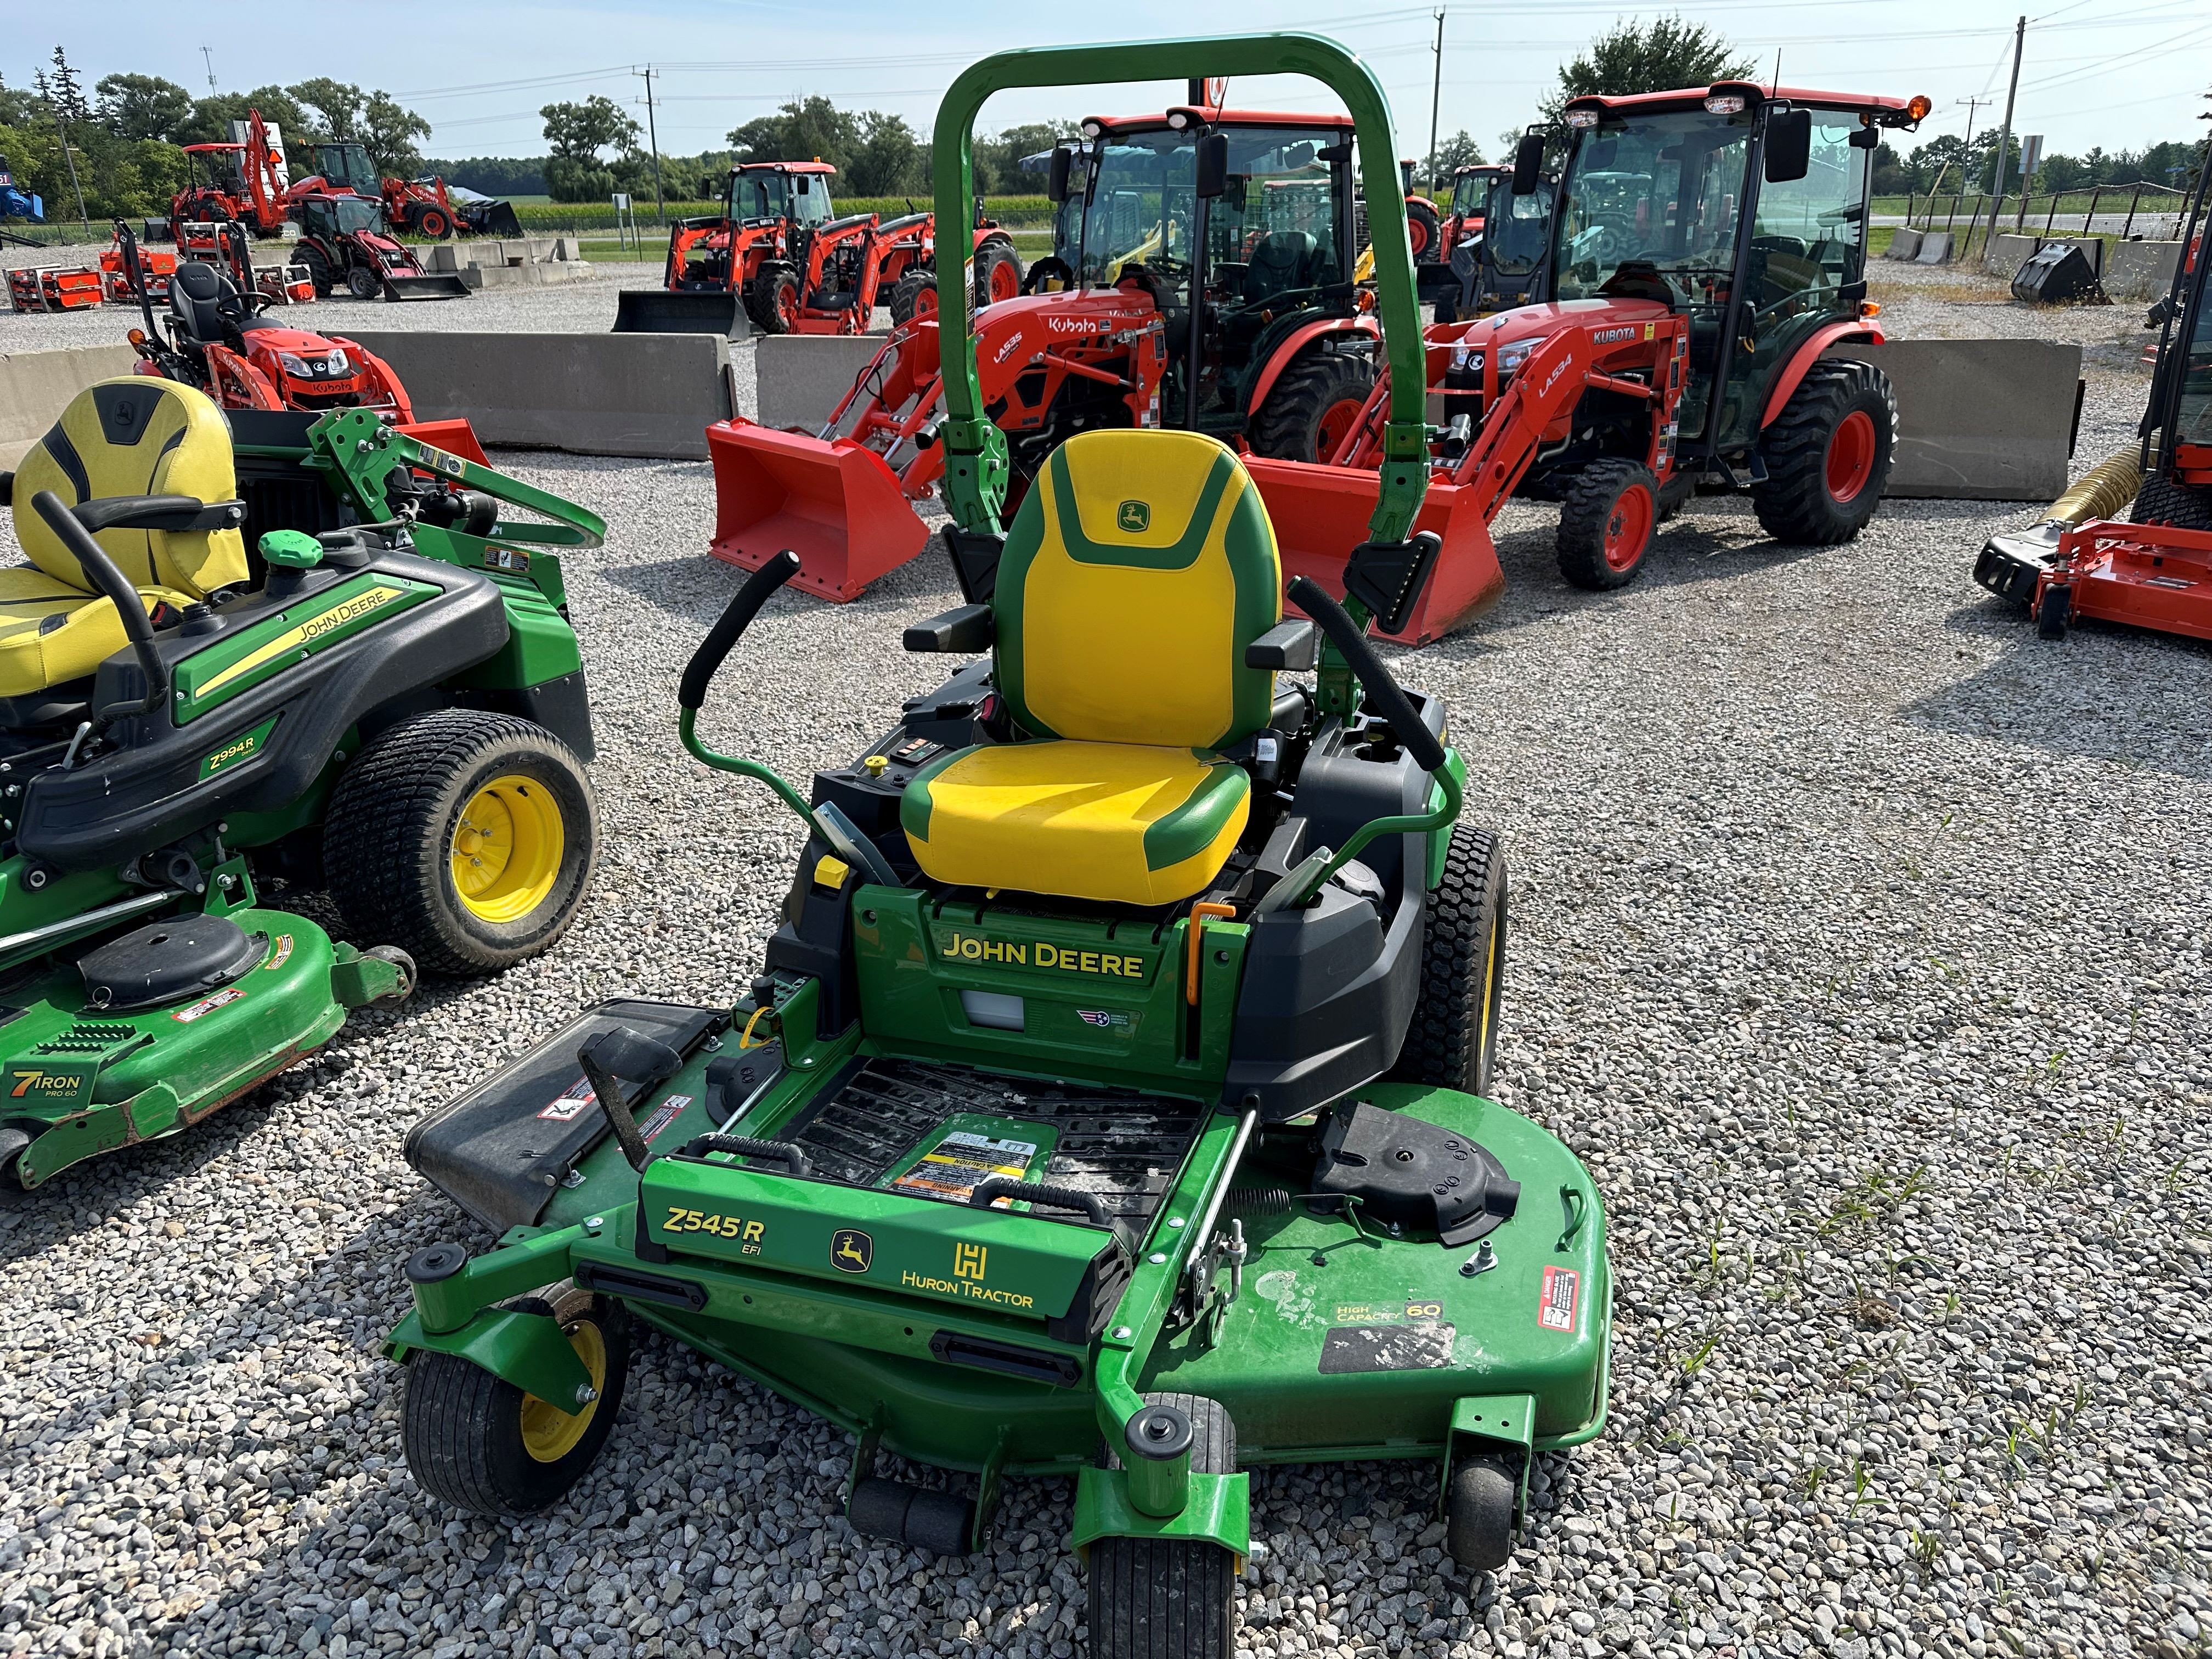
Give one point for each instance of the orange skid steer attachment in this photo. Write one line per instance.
(837, 505)
(1320, 515)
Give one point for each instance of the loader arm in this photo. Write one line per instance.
(974, 450)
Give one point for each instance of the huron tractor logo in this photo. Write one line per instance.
(1134, 516)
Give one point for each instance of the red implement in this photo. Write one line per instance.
(837, 505)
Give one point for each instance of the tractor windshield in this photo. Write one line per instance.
(1661, 190)
(1278, 226)
(1517, 228)
(2193, 418)
(343, 216)
(346, 166)
(1469, 192)
(768, 194)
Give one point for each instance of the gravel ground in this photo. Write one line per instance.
(1858, 947)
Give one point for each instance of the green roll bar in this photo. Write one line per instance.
(974, 449)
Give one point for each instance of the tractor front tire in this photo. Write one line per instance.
(2161, 500)
(432, 222)
(464, 837)
(362, 282)
(1316, 401)
(906, 296)
(998, 273)
(773, 299)
(1452, 1042)
(1606, 523)
(482, 1444)
(1827, 455)
(1169, 1598)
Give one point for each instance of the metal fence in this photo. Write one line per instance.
(2124, 212)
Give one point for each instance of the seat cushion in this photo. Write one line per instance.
(52, 632)
(1115, 823)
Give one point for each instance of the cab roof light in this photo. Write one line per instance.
(1093, 128)
(1582, 119)
(1919, 108)
(1726, 103)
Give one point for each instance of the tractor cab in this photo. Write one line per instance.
(346, 166)
(328, 217)
(1742, 207)
(794, 192)
(1276, 257)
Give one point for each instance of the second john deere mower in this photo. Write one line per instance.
(378, 694)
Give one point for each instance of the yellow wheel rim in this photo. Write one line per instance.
(507, 847)
(550, 1434)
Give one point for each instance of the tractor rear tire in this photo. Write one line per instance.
(998, 273)
(1169, 1598)
(1310, 408)
(1425, 232)
(1452, 1042)
(481, 1445)
(310, 256)
(1606, 524)
(432, 222)
(906, 296)
(773, 299)
(362, 282)
(2161, 500)
(466, 838)
(1827, 455)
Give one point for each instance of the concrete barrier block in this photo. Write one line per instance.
(550, 272)
(804, 376)
(1904, 244)
(1934, 249)
(35, 386)
(590, 394)
(444, 256)
(2005, 255)
(1979, 420)
(2141, 270)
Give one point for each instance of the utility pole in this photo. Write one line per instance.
(652, 137)
(207, 54)
(1972, 105)
(1435, 99)
(2004, 134)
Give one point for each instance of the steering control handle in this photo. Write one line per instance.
(100, 572)
(707, 660)
(1382, 691)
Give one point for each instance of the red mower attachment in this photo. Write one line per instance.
(836, 504)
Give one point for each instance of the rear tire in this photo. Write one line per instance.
(1611, 510)
(1827, 455)
(482, 1444)
(1169, 1598)
(461, 795)
(318, 268)
(998, 273)
(773, 301)
(13, 1142)
(1312, 405)
(2161, 500)
(1425, 232)
(432, 222)
(907, 297)
(1452, 1042)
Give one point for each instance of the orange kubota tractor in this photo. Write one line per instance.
(779, 257)
(417, 207)
(1708, 246)
(241, 183)
(1278, 359)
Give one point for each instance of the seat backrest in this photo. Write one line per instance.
(137, 436)
(1139, 568)
(1282, 261)
(205, 301)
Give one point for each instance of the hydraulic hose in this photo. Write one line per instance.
(2103, 492)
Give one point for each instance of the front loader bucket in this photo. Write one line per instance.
(837, 505)
(426, 285)
(1321, 513)
(498, 218)
(657, 311)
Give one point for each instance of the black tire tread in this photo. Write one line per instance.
(377, 811)
(760, 298)
(1450, 1044)
(1169, 1598)
(2163, 501)
(906, 291)
(1479, 1488)
(1285, 427)
(1433, 251)
(993, 253)
(1792, 502)
(1584, 514)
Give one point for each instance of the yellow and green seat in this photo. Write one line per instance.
(1133, 576)
(134, 435)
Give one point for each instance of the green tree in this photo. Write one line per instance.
(390, 131)
(137, 106)
(212, 116)
(801, 131)
(998, 161)
(1655, 56)
(578, 132)
(1460, 150)
(888, 159)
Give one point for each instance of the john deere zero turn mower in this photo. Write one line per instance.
(392, 709)
(1111, 1104)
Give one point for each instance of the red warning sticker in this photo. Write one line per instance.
(1555, 1306)
(571, 1105)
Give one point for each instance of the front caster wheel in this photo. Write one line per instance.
(482, 1444)
(2053, 612)
(1169, 1598)
(1479, 1514)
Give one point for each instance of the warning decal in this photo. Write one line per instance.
(962, 1161)
(669, 1109)
(572, 1102)
(1555, 1304)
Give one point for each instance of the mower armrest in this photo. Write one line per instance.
(157, 513)
(1290, 645)
(965, 630)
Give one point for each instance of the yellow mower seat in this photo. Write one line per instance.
(1138, 569)
(135, 436)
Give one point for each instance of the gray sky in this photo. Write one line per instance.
(2118, 73)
